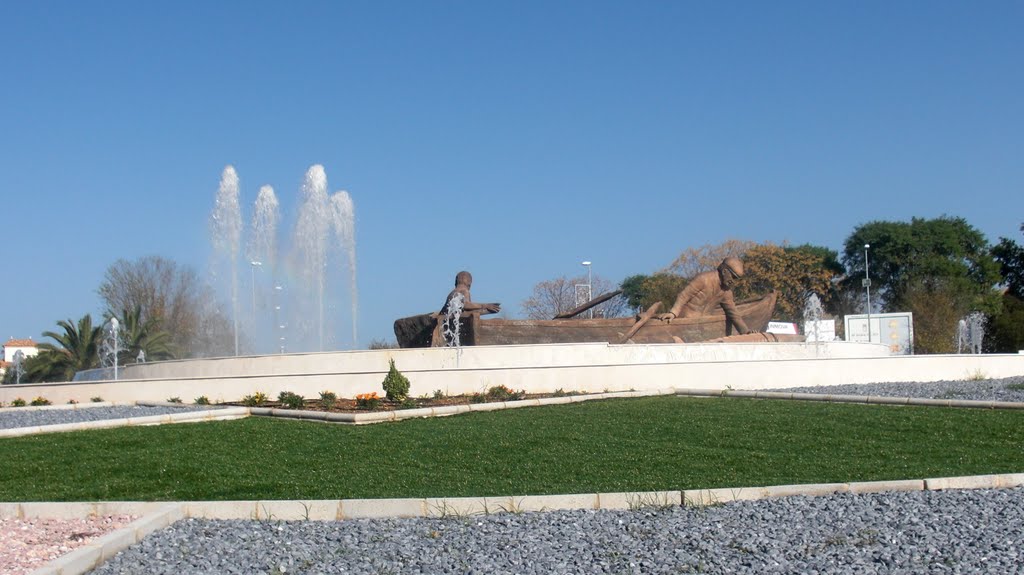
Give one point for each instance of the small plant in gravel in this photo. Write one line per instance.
(408, 403)
(327, 399)
(477, 398)
(40, 401)
(291, 400)
(174, 399)
(255, 400)
(503, 393)
(96, 399)
(977, 375)
(1015, 387)
(202, 400)
(438, 394)
(396, 385)
(368, 401)
(72, 402)
(18, 402)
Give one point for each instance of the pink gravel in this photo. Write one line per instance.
(28, 544)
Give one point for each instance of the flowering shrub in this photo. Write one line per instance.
(18, 402)
(368, 400)
(502, 393)
(40, 401)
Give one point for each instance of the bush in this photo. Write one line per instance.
(368, 400)
(40, 401)
(18, 402)
(174, 399)
(202, 400)
(327, 399)
(96, 399)
(396, 385)
(291, 400)
(382, 344)
(255, 400)
(502, 393)
(438, 394)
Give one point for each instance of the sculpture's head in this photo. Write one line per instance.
(465, 278)
(730, 271)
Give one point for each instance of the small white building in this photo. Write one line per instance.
(13, 346)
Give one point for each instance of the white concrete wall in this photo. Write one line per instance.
(534, 368)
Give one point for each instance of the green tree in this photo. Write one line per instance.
(1006, 329)
(1010, 256)
(939, 269)
(143, 335)
(642, 291)
(902, 253)
(76, 349)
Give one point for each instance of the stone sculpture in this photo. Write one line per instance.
(708, 291)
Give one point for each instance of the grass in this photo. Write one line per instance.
(647, 444)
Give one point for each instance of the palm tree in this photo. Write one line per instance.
(143, 336)
(76, 349)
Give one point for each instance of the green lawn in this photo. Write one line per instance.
(598, 446)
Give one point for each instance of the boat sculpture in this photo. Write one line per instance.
(425, 330)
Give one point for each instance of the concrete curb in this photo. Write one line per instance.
(218, 414)
(157, 515)
(837, 398)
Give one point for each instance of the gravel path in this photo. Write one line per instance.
(917, 532)
(1007, 389)
(30, 418)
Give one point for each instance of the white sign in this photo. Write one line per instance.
(782, 327)
(893, 329)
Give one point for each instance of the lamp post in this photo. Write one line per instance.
(867, 287)
(255, 264)
(590, 285)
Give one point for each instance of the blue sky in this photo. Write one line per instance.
(511, 139)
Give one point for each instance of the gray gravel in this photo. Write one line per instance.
(971, 531)
(30, 418)
(1007, 389)
(978, 531)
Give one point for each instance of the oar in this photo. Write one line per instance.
(596, 301)
(640, 322)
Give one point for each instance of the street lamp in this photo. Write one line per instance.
(255, 264)
(590, 285)
(867, 287)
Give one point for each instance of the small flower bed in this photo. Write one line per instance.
(368, 401)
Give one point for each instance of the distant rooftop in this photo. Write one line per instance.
(20, 342)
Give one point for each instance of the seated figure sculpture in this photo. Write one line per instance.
(708, 291)
(464, 281)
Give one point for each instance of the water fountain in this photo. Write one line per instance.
(226, 226)
(970, 333)
(323, 237)
(111, 346)
(19, 367)
(812, 314)
(453, 316)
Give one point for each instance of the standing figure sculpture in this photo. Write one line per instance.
(708, 291)
(460, 301)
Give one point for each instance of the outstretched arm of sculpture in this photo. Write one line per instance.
(483, 308)
(681, 299)
(733, 315)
